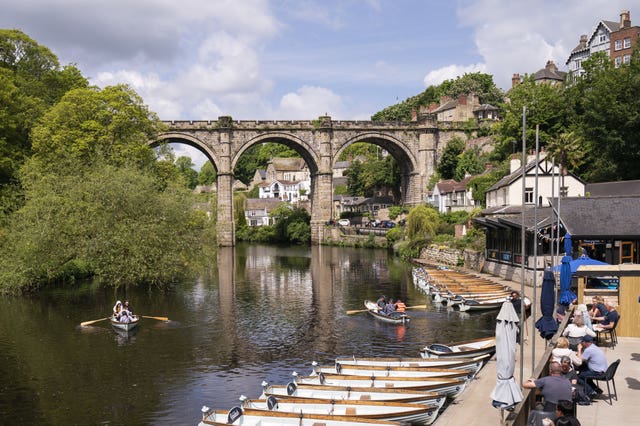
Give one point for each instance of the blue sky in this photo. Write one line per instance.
(298, 59)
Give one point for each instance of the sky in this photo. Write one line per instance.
(299, 59)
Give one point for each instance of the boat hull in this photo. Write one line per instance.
(125, 326)
(396, 318)
(461, 349)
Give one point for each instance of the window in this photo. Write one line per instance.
(617, 45)
(627, 42)
(603, 38)
(564, 191)
(618, 61)
(528, 196)
(626, 59)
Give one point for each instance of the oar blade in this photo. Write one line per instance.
(84, 324)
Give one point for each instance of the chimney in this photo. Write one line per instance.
(515, 79)
(625, 19)
(551, 66)
(583, 40)
(462, 99)
(514, 163)
(433, 106)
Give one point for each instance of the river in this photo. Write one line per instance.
(260, 313)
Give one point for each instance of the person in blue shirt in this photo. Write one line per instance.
(594, 366)
(609, 319)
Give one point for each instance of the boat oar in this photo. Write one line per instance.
(82, 324)
(417, 307)
(156, 318)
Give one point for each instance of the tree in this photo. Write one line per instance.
(479, 83)
(185, 167)
(207, 175)
(608, 117)
(449, 160)
(469, 163)
(292, 224)
(568, 150)
(31, 81)
(422, 223)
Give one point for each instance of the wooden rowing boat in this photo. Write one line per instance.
(348, 393)
(125, 326)
(379, 410)
(460, 349)
(390, 372)
(251, 417)
(468, 364)
(452, 387)
(393, 318)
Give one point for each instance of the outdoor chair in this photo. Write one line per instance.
(609, 376)
(611, 332)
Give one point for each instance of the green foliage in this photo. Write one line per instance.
(292, 224)
(458, 217)
(608, 117)
(422, 223)
(185, 168)
(110, 222)
(340, 190)
(207, 175)
(364, 179)
(449, 160)
(239, 203)
(469, 163)
(31, 81)
(402, 110)
(360, 149)
(395, 211)
(394, 234)
(480, 183)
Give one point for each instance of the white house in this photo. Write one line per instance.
(508, 190)
(450, 196)
(285, 190)
(257, 210)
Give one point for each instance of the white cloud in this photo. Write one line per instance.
(450, 72)
(310, 101)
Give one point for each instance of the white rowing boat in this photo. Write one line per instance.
(452, 387)
(380, 371)
(387, 410)
(461, 349)
(348, 393)
(393, 317)
(250, 417)
(125, 326)
(468, 364)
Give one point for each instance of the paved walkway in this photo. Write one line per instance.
(474, 407)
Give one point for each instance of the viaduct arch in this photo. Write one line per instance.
(414, 146)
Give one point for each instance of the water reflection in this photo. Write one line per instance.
(256, 313)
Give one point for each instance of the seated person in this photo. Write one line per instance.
(581, 309)
(117, 308)
(608, 320)
(594, 365)
(576, 331)
(562, 349)
(390, 307)
(553, 387)
(567, 370)
(598, 308)
(564, 413)
(381, 302)
(400, 306)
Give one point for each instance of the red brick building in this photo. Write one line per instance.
(623, 40)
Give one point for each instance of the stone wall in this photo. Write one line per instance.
(442, 255)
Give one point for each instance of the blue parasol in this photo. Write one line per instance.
(576, 263)
(567, 244)
(547, 325)
(566, 295)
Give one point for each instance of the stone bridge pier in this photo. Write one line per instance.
(319, 142)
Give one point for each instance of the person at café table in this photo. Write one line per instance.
(594, 365)
(553, 387)
(608, 320)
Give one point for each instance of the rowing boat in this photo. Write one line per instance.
(390, 372)
(393, 318)
(125, 326)
(251, 417)
(379, 410)
(452, 387)
(460, 349)
(468, 364)
(348, 393)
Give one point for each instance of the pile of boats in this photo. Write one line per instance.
(364, 391)
(461, 290)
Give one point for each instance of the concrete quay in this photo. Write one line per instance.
(474, 407)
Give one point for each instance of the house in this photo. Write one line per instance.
(486, 112)
(291, 169)
(450, 196)
(508, 190)
(257, 210)
(615, 38)
(459, 109)
(371, 205)
(285, 190)
(549, 74)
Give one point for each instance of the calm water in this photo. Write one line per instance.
(259, 314)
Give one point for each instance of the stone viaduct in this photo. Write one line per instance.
(414, 145)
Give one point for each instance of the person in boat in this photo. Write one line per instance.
(400, 306)
(382, 302)
(128, 307)
(125, 316)
(390, 307)
(117, 308)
